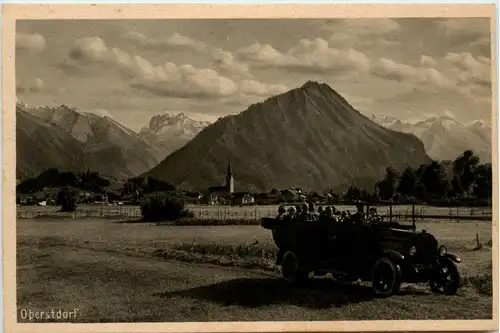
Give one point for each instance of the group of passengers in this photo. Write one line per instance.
(307, 212)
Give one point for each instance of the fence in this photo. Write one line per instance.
(394, 213)
(98, 212)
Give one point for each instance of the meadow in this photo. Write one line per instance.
(232, 242)
(151, 272)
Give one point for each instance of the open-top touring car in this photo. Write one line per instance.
(362, 248)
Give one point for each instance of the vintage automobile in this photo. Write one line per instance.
(366, 249)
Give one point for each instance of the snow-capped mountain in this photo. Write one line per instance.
(444, 138)
(103, 144)
(170, 131)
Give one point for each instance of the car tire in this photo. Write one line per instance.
(291, 270)
(452, 277)
(386, 277)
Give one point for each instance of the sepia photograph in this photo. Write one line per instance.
(251, 169)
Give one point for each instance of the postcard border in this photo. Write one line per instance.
(12, 12)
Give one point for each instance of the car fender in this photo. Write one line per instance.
(453, 257)
(279, 257)
(396, 256)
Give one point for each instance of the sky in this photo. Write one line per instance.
(410, 68)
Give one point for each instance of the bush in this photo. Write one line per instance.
(67, 198)
(162, 207)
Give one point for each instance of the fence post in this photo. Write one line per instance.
(413, 216)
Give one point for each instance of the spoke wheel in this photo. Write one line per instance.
(291, 270)
(446, 280)
(386, 278)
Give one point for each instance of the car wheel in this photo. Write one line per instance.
(446, 280)
(386, 277)
(291, 270)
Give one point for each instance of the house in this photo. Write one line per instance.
(289, 195)
(267, 199)
(194, 198)
(242, 198)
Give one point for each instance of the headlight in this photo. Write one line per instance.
(442, 250)
(413, 250)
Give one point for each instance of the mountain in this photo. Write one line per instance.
(309, 137)
(41, 145)
(101, 143)
(69, 119)
(445, 138)
(168, 132)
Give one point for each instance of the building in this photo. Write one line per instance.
(242, 198)
(225, 190)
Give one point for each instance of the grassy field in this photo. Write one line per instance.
(115, 271)
(240, 241)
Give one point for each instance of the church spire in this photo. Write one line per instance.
(229, 178)
(229, 171)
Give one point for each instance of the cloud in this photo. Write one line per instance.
(456, 71)
(471, 31)
(173, 41)
(89, 49)
(427, 61)
(310, 55)
(470, 70)
(363, 26)
(168, 79)
(34, 86)
(31, 42)
(252, 87)
(221, 59)
(183, 81)
(449, 114)
(225, 62)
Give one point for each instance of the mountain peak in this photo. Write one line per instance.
(311, 83)
(312, 126)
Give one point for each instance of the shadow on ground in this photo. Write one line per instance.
(317, 294)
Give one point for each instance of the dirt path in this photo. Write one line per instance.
(112, 287)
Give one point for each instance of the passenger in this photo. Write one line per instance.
(343, 216)
(328, 212)
(298, 209)
(291, 213)
(304, 210)
(311, 214)
(281, 212)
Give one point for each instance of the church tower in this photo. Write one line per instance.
(229, 179)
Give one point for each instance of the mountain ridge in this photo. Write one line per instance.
(104, 145)
(444, 137)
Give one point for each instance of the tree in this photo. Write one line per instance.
(387, 187)
(67, 197)
(164, 207)
(483, 184)
(433, 179)
(407, 183)
(464, 169)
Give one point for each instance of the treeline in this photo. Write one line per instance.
(52, 178)
(464, 181)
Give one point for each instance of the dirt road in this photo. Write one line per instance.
(109, 286)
